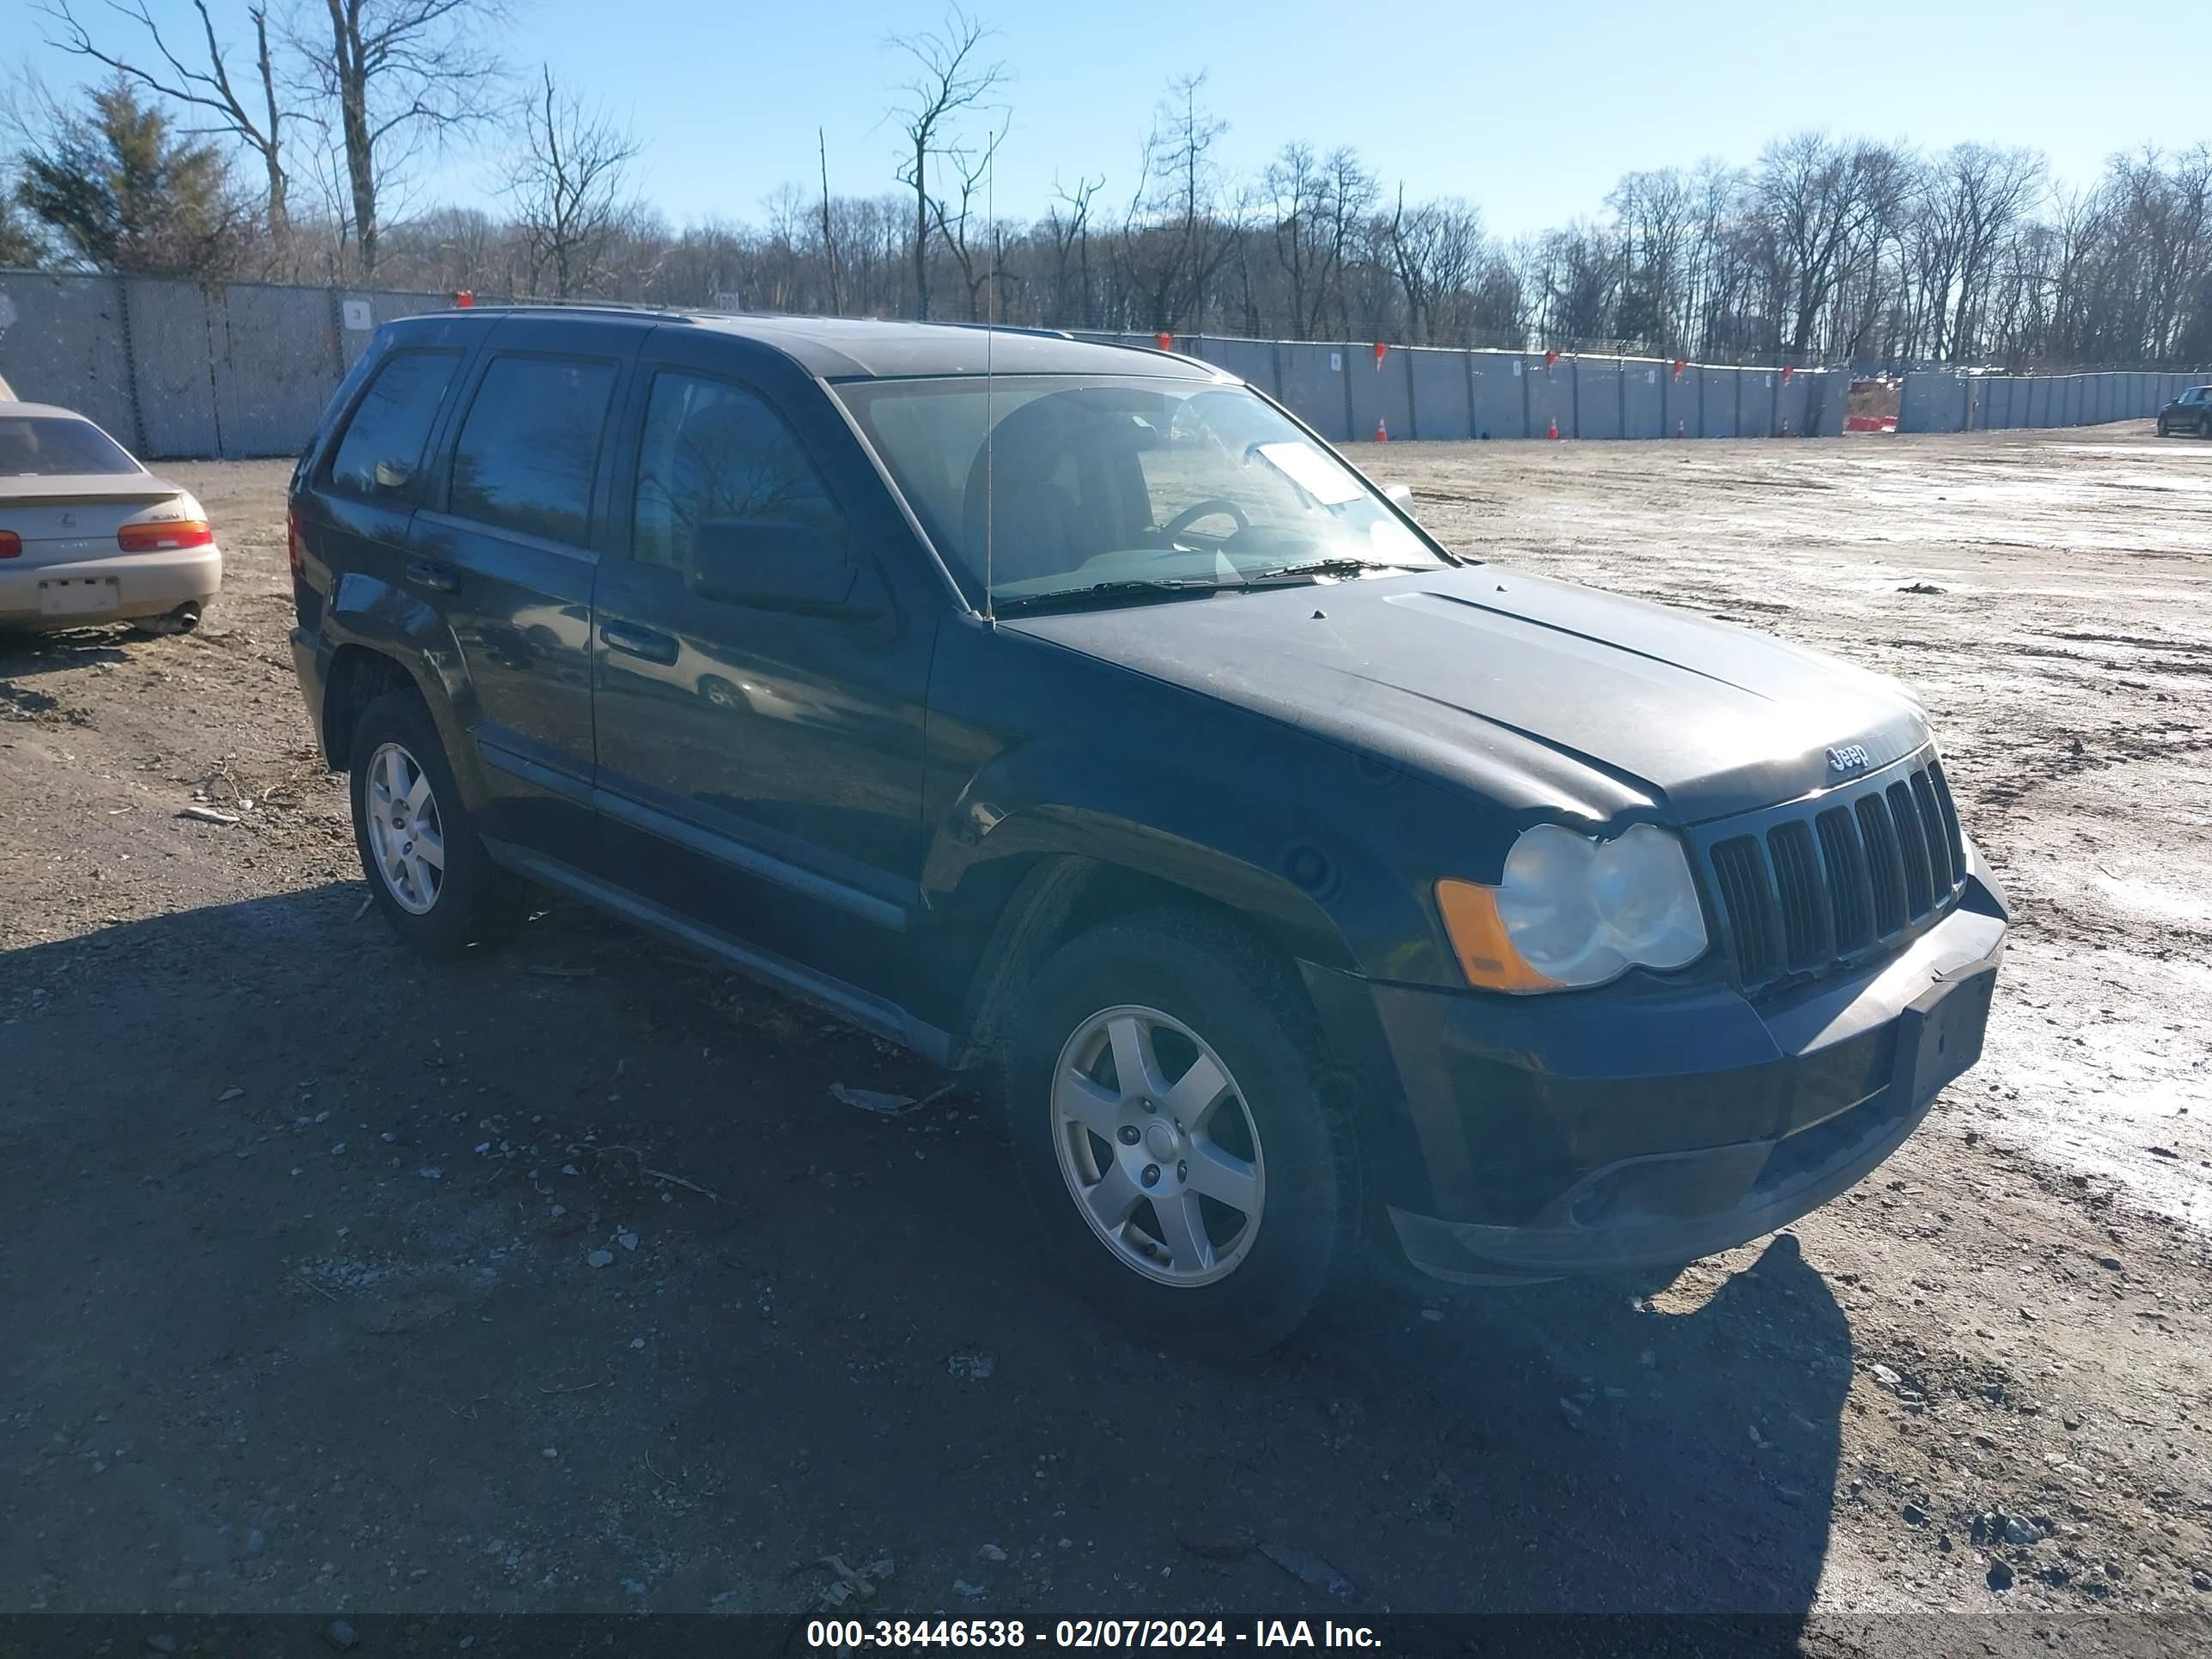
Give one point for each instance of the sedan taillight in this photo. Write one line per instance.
(164, 536)
(10, 544)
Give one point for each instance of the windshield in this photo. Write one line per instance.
(1088, 484)
(49, 447)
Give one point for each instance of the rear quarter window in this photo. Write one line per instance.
(380, 456)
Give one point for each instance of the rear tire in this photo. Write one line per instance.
(1212, 1201)
(428, 872)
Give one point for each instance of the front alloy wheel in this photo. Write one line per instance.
(1181, 1135)
(1156, 1146)
(405, 832)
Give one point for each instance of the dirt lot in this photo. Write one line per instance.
(299, 1298)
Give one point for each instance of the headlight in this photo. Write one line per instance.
(1572, 911)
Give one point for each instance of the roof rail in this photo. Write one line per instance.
(619, 307)
(995, 328)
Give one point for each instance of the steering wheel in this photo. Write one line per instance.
(1197, 510)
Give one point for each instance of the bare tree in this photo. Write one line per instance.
(1817, 196)
(203, 82)
(570, 187)
(398, 75)
(949, 78)
(962, 228)
(1066, 224)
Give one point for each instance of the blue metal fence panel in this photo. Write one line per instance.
(1642, 404)
(1500, 387)
(277, 361)
(1314, 387)
(1441, 405)
(61, 342)
(1551, 392)
(1683, 396)
(1380, 389)
(1250, 361)
(1718, 400)
(1597, 396)
(1789, 405)
(171, 366)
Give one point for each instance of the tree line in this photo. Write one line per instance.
(289, 146)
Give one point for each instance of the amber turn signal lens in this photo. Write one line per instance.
(1485, 955)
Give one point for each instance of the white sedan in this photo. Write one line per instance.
(89, 536)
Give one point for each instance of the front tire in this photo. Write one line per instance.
(426, 869)
(1175, 1137)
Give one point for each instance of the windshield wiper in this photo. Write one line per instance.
(1106, 593)
(1327, 567)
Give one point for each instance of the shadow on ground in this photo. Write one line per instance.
(557, 1280)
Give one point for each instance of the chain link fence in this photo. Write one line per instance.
(180, 370)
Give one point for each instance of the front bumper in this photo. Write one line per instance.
(1645, 1126)
(113, 588)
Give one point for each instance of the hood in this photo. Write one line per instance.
(1539, 694)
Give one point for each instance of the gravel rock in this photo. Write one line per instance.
(341, 1636)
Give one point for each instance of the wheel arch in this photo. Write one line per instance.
(1049, 896)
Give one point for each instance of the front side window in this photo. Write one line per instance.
(530, 447)
(54, 445)
(712, 450)
(382, 452)
(1086, 484)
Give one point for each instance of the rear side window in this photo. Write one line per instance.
(53, 447)
(530, 445)
(711, 450)
(382, 452)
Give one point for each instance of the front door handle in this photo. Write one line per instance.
(639, 642)
(443, 578)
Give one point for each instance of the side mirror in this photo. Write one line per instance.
(1402, 495)
(771, 564)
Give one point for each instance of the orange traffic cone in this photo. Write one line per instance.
(1554, 432)
(1381, 433)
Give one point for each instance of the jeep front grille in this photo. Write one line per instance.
(1805, 888)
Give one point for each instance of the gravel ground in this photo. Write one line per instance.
(337, 1283)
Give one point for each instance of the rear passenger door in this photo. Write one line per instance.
(508, 548)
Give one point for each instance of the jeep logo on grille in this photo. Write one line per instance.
(1847, 758)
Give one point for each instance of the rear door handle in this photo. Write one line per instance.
(639, 642)
(443, 578)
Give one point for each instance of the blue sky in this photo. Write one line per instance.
(1532, 111)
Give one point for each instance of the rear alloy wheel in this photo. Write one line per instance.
(1175, 1137)
(405, 832)
(427, 871)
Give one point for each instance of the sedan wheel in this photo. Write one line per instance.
(405, 832)
(1156, 1146)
